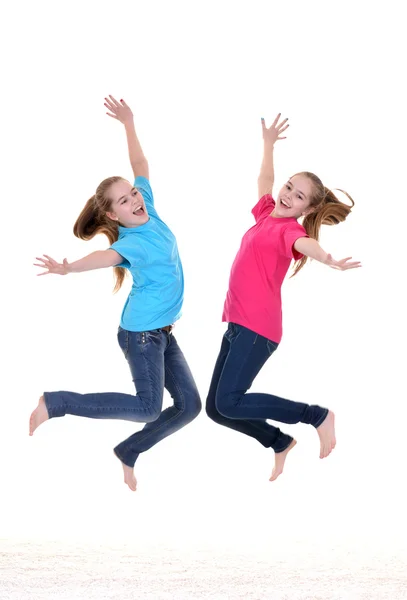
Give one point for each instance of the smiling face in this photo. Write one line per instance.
(127, 205)
(294, 198)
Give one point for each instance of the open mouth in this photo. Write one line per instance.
(138, 211)
(285, 204)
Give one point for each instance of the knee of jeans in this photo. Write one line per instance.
(193, 407)
(153, 415)
(212, 411)
(224, 403)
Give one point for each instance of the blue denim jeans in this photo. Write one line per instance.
(242, 355)
(156, 362)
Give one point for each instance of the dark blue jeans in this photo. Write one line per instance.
(242, 355)
(156, 362)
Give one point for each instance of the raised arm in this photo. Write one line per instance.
(265, 180)
(310, 247)
(121, 112)
(97, 260)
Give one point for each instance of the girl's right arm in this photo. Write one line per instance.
(265, 180)
(97, 260)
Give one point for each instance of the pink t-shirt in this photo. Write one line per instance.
(254, 296)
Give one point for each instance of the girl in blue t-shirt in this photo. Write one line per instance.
(142, 243)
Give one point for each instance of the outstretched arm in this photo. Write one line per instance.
(121, 112)
(310, 247)
(97, 260)
(270, 136)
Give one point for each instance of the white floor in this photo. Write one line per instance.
(54, 571)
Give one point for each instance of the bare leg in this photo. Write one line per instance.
(280, 460)
(326, 432)
(38, 416)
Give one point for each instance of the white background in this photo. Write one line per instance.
(199, 76)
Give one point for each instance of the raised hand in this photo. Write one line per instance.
(118, 110)
(341, 265)
(273, 133)
(52, 266)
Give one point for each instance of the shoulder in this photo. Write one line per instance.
(294, 227)
(141, 180)
(144, 187)
(143, 184)
(263, 207)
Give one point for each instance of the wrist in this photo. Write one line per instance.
(269, 145)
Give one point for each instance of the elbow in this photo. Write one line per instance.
(264, 185)
(267, 179)
(140, 168)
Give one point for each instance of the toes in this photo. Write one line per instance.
(326, 448)
(275, 474)
(31, 427)
(131, 482)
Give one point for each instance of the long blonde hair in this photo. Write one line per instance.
(328, 210)
(93, 220)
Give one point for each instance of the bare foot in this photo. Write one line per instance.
(280, 460)
(129, 476)
(326, 432)
(38, 416)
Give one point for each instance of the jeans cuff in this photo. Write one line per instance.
(321, 418)
(282, 444)
(126, 461)
(53, 409)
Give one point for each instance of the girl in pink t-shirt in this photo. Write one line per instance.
(253, 305)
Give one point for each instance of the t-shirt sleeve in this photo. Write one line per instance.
(124, 248)
(143, 185)
(290, 235)
(264, 207)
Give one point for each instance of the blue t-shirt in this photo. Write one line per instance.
(150, 253)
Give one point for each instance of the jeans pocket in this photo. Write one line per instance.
(123, 339)
(271, 346)
(147, 338)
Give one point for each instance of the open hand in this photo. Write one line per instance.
(118, 110)
(273, 133)
(341, 265)
(52, 266)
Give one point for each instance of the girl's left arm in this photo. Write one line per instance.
(310, 247)
(121, 112)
